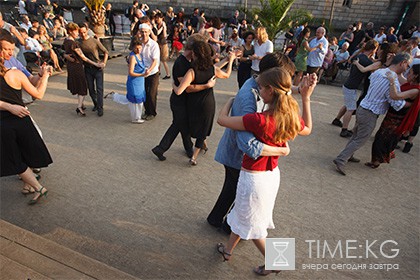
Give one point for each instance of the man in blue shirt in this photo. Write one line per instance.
(234, 144)
(316, 57)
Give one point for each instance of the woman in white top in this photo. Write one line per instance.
(262, 46)
(381, 36)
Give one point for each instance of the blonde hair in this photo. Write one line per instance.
(284, 108)
(262, 34)
(42, 28)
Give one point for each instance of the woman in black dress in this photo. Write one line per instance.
(244, 69)
(201, 105)
(21, 145)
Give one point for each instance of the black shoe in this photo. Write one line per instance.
(346, 133)
(100, 112)
(339, 168)
(79, 111)
(404, 138)
(214, 224)
(149, 117)
(189, 154)
(337, 122)
(226, 228)
(166, 77)
(94, 109)
(158, 153)
(353, 159)
(407, 147)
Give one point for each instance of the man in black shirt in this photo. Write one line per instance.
(233, 23)
(369, 32)
(350, 88)
(178, 103)
(194, 19)
(359, 38)
(408, 33)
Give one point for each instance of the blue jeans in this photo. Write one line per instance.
(95, 76)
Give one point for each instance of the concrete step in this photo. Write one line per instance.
(25, 255)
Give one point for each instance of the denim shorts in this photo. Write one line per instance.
(350, 98)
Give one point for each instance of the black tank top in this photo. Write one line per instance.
(9, 94)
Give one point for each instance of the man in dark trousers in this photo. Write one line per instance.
(178, 103)
(234, 144)
(94, 75)
(151, 59)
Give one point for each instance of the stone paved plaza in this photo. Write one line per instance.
(112, 200)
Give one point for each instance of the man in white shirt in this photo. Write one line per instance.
(415, 51)
(22, 8)
(151, 58)
(26, 23)
(416, 33)
(32, 45)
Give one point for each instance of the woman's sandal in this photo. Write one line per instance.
(27, 190)
(221, 250)
(261, 271)
(372, 165)
(205, 148)
(193, 161)
(35, 200)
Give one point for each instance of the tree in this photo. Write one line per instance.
(96, 16)
(275, 15)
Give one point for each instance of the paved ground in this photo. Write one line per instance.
(111, 200)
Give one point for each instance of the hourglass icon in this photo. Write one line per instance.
(280, 247)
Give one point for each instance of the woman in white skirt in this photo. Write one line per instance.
(136, 93)
(259, 179)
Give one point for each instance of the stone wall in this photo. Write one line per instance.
(381, 12)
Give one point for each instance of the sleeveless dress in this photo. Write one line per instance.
(76, 81)
(21, 146)
(244, 69)
(300, 59)
(216, 34)
(176, 43)
(136, 92)
(201, 106)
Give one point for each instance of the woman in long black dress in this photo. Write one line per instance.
(201, 105)
(21, 145)
(244, 69)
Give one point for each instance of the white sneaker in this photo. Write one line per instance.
(138, 121)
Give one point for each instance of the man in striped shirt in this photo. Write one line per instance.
(375, 103)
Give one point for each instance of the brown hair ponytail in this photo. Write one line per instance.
(284, 108)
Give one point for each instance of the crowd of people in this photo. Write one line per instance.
(259, 121)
